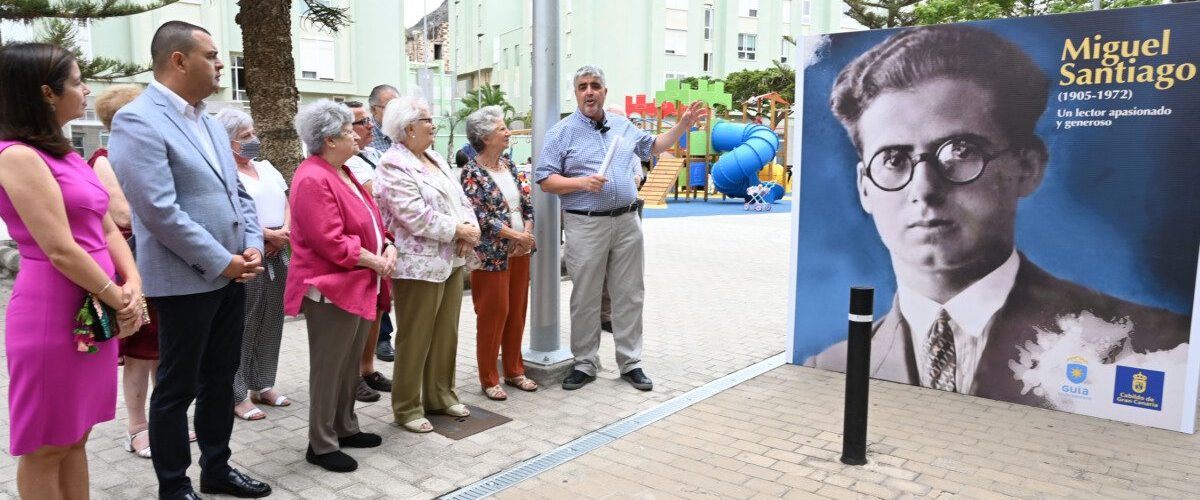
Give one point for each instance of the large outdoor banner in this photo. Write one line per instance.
(1023, 195)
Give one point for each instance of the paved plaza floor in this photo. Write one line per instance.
(716, 298)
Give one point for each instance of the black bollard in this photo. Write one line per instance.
(858, 366)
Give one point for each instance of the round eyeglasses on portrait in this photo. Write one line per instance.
(958, 160)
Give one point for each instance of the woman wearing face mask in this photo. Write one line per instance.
(264, 295)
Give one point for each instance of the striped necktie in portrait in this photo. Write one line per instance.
(940, 346)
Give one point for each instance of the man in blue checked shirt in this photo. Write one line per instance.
(603, 231)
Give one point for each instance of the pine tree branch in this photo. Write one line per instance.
(324, 17)
(62, 33)
(80, 10)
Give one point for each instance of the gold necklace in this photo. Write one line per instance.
(498, 167)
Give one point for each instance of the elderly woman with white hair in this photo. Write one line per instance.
(424, 206)
(264, 295)
(340, 254)
(500, 287)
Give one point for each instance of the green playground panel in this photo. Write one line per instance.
(710, 93)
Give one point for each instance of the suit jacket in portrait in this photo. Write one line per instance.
(416, 211)
(189, 215)
(491, 208)
(1036, 301)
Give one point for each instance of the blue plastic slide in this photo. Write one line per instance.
(750, 148)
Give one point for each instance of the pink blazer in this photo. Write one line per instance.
(329, 226)
(417, 210)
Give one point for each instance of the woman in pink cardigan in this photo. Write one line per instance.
(340, 252)
(436, 230)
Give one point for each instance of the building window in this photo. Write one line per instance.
(673, 75)
(746, 45)
(675, 42)
(783, 50)
(748, 8)
(806, 11)
(77, 138)
(517, 55)
(708, 22)
(437, 52)
(506, 58)
(237, 70)
(316, 59)
(786, 10)
(707, 63)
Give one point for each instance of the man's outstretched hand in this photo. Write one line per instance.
(694, 112)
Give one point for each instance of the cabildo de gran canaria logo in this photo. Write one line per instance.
(1077, 371)
(1139, 387)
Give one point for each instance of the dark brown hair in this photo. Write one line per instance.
(172, 37)
(24, 113)
(918, 55)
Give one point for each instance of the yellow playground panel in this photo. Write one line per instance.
(774, 172)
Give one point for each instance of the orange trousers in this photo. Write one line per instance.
(501, 299)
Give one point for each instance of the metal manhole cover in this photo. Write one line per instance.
(460, 427)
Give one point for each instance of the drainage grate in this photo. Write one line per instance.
(507, 478)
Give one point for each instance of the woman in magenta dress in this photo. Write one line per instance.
(55, 209)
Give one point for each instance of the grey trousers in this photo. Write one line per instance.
(599, 247)
(335, 343)
(263, 328)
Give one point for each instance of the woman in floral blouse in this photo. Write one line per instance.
(436, 230)
(500, 287)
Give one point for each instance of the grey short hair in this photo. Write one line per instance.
(589, 70)
(400, 113)
(481, 124)
(321, 120)
(377, 93)
(234, 121)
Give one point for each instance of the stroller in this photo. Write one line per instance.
(755, 197)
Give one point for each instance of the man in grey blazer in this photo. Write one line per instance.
(198, 240)
(948, 147)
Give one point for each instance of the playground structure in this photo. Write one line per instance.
(750, 148)
(718, 155)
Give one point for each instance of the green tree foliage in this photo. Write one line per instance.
(79, 10)
(62, 33)
(951, 11)
(752, 82)
(876, 14)
(61, 28)
(487, 95)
